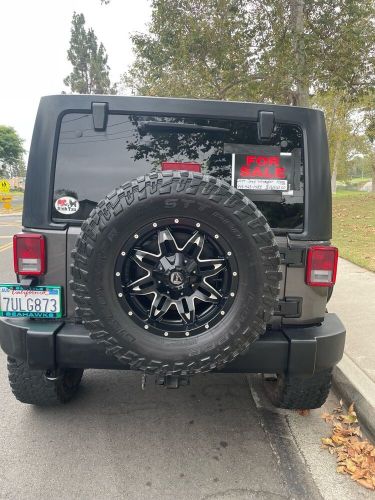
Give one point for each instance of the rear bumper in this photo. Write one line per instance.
(51, 345)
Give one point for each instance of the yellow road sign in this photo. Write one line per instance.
(4, 186)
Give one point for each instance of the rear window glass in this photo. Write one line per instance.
(91, 164)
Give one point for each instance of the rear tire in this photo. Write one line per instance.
(32, 386)
(299, 392)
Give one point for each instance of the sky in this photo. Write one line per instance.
(34, 38)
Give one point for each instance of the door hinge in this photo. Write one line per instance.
(289, 307)
(293, 257)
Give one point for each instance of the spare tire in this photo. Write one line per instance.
(175, 273)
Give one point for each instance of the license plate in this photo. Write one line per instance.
(17, 301)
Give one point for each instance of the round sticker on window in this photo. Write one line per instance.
(67, 205)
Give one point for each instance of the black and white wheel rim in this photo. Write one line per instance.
(176, 277)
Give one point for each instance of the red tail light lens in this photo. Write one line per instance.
(29, 254)
(321, 266)
(181, 165)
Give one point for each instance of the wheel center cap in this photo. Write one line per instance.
(176, 278)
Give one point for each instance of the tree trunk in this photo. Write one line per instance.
(373, 172)
(335, 106)
(298, 21)
(333, 181)
(335, 164)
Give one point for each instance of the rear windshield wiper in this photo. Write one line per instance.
(181, 126)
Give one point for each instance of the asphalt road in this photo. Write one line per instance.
(218, 438)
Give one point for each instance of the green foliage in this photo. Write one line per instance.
(369, 117)
(341, 41)
(196, 49)
(11, 153)
(370, 132)
(299, 52)
(90, 73)
(266, 49)
(350, 148)
(359, 166)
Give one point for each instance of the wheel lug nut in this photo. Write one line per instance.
(154, 224)
(166, 334)
(197, 224)
(123, 253)
(229, 254)
(232, 294)
(187, 334)
(146, 327)
(120, 294)
(117, 274)
(234, 274)
(207, 326)
(130, 313)
(222, 313)
(176, 221)
(136, 236)
(216, 236)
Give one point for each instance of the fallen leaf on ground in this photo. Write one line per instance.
(327, 441)
(355, 456)
(327, 417)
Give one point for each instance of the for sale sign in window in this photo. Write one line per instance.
(262, 168)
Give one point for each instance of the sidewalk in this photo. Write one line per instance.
(353, 301)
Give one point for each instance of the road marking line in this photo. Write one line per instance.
(13, 214)
(6, 246)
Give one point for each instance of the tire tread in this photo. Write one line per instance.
(160, 184)
(32, 387)
(300, 392)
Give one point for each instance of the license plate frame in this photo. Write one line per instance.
(41, 292)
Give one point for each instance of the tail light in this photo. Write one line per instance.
(181, 165)
(29, 252)
(321, 266)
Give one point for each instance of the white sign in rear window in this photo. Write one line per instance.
(263, 184)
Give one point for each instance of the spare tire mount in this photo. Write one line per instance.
(176, 277)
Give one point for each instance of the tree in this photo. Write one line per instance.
(317, 46)
(11, 153)
(196, 49)
(347, 121)
(370, 132)
(275, 50)
(90, 73)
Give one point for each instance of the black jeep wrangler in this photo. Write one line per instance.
(174, 237)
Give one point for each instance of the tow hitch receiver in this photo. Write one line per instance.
(172, 381)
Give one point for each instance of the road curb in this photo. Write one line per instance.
(354, 386)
